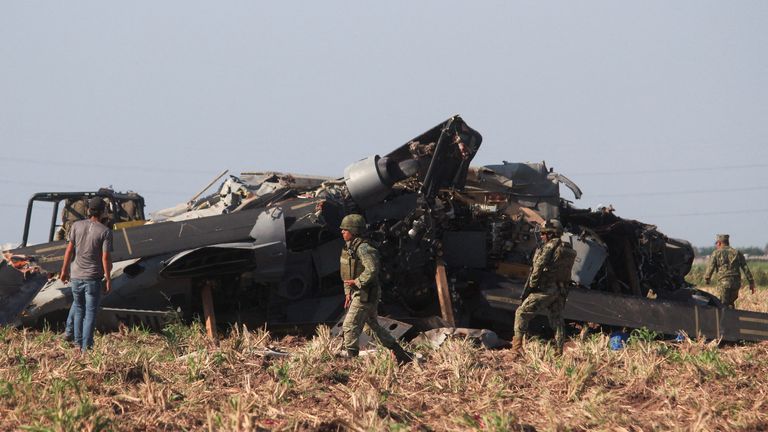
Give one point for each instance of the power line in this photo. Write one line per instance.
(724, 212)
(60, 186)
(36, 184)
(682, 192)
(97, 165)
(668, 170)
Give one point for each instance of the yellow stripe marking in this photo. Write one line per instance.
(717, 321)
(696, 320)
(753, 332)
(503, 299)
(51, 248)
(302, 205)
(751, 319)
(127, 242)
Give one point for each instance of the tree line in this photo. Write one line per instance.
(751, 250)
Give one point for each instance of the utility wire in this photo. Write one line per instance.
(668, 170)
(683, 192)
(724, 212)
(97, 165)
(60, 186)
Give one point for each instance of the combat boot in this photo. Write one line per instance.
(401, 355)
(517, 346)
(349, 353)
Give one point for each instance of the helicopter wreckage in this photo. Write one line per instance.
(455, 241)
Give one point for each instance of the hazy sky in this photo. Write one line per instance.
(656, 107)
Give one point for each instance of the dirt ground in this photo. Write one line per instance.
(177, 380)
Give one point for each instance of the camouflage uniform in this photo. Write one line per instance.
(548, 281)
(73, 211)
(360, 261)
(726, 263)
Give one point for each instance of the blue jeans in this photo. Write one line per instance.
(86, 294)
(69, 331)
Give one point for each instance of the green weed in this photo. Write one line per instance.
(219, 358)
(195, 366)
(499, 421)
(282, 372)
(180, 337)
(26, 368)
(69, 416)
(711, 358)
(6, 390)
(642, 335)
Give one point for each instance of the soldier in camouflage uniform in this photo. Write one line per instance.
(359, 269)
(726, 262)
(546, 289)
(74, 210)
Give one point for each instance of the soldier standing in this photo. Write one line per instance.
(74, 210)
(360, 274)
(726, 262)
(546, 289)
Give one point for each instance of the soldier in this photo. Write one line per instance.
(726, 262)
(547, 286)
(360, 274)
(75, 209)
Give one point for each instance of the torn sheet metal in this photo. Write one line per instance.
(210, 261)
(396, 328)
(160, 238)
(270, 251)
(436, 337)
(17, 289)
(590, 256)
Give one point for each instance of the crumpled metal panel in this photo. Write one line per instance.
(156, 239)
(436, 337)
(17, 289)
(210, 261)
(396, 328)
(590, 256)
(270, 250)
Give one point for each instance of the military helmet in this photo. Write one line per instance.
(724, 238)
(353, 223)
(552, 226)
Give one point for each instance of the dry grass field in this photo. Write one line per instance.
(176, 380)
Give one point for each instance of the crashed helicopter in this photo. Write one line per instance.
(455, 242)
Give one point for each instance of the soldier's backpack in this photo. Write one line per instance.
(563, 261)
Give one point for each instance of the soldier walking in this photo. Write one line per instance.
(546, 289)
(360, 274)
(726, 262)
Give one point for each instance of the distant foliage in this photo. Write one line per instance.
(759, 272)
(752, 250)
(703, 250)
